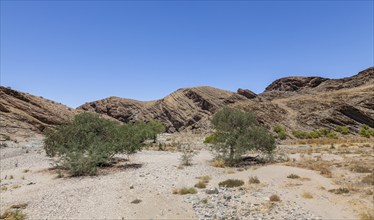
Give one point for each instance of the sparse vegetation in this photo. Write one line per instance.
(253, 180)
(365, 131)
(342, 129)
(340, 190)
(274, 198)
(187, 154)
(293, 176)
(314, 134)
(237, 133)
(90, 141)
(230, 183)
(281, 132)
(12, 214)
(185, 190)
(218, 163)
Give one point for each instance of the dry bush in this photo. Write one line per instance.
(230, 183)
(19, 206)
(201, 185)
(253, 180)
(293, 176)
(185, 190)
(322, 166)
(307, 195)
(205, 179)
(218, 163)
(274, 198)
(339, 190)
(10, 214)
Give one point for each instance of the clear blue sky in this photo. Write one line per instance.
(79, 51)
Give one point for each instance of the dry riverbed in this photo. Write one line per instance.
(142, 188)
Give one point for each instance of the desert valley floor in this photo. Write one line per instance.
(142, 187)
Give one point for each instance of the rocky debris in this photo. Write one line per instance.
(247, 93)
(187, 108)
(25, 115)
(237, 203)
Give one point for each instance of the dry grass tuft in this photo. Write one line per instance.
(218, 163)
(19, 206)
(293, 176)
(185, 190)
(205, 179)
(230, 171)
(253, 180)
(339, 190)
(13, 215)
(230, 183)
(367, 216)
(201, 185)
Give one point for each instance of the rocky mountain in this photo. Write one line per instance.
(297, 103)
(187, 108)
(23, 115)
(308, 103)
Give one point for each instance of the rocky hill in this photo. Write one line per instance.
(23, 115)
(297, 103)
(183, 109)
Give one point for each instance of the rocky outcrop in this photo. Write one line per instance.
(187, 108)
(24, 115)
(247, 93)
(295, 84)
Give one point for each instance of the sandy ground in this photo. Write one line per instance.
(151, 179)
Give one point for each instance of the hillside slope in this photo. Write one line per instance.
(23, 115)
(185, 108)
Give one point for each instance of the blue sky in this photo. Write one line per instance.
(79, 51)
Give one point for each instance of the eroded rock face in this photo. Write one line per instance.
(188, 108)
(294, 84)
(24, 115)
(247, 93)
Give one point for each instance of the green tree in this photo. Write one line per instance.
(90, 141)
(237, 133)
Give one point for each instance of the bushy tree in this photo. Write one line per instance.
(90, 141)
(237, 133)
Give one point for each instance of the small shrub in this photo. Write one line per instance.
(185, 190)
(210, 139)
(293, 176)
(253, 180)
(339, 190)
(187, 155)
(218, 163)
(365, 131)
(26, 171)
(368, 179)
(274, 198)
(204, 201)
(281, 132)
(307, 195)
(201, 185)
(230, 183)
(13, 215)
(342, 129)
